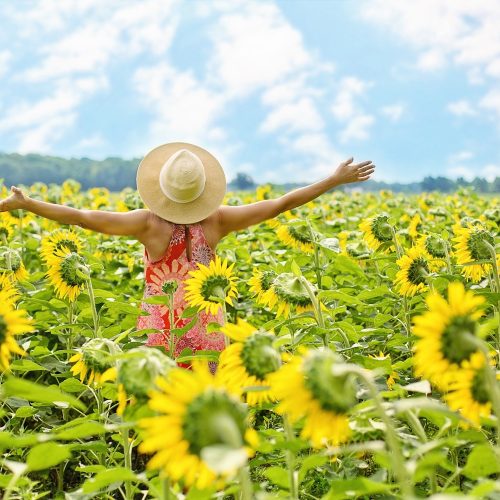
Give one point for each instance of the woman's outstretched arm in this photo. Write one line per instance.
(133, 223)
(240, 217)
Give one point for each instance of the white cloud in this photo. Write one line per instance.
(491, 101)
(300, 115)
(461, 108)
(183, 107)
(75, 56)
(254, 47)
(461, 156)
(5, 58)
(488, 172)
(394, 112)
(358, 127)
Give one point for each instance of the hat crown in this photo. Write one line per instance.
(182, 177)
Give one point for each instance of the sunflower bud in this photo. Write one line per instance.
(169, 287)
(436, 246)
(140, 367)
(258, 355)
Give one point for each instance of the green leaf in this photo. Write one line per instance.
(311, 462)
(107, 477)
(31, 391)
(354, 488)
(178, 332)
(296, 269)
(81, 430)
(72, 385)
(190, 312)
(26, 365)
(26, 411)
(482, 462)
(47, 455)
(279, 476)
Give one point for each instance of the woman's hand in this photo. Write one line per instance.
(348, 171)
(14, 201)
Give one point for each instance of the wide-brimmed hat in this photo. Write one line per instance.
(181, 182)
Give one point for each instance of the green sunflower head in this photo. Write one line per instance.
(72, 267)
(291, 290)
(140, 367)
(478, 242)
(97, 354)
(381, 228)
(258, 355)
(436, 246)
(334, 392)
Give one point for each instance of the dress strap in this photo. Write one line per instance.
(187, 241)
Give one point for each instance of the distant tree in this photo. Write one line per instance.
(243, 182)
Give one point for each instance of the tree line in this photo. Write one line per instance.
(117, 173)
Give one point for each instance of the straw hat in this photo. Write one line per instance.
(181, 182)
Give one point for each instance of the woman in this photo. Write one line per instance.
(183, 186)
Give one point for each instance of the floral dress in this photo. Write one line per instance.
(175, 265)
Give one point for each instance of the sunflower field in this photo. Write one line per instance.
(362, 347)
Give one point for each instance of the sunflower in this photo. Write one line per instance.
(436, 246)
(95, 360)
(445, 334)
(289, 291)
(12, 322)
(7, 285)
(468, 391)
(260, 285)
(415, 267)
(377, 231)
(296, 234)
(209, 286)
(201, 416)
(6, 224)
(470, 247)
(308, 386)
(11, 264)
(248, 361)
(57, 240)
(64, 273)
(264, 192)
(414, 226)
(137, 371)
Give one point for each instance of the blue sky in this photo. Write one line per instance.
(281, 90)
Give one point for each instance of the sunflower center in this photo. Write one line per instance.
(336, 393)
(70, 245)
(96, 354)
(214, 286)
(290, 289)
(479, 387)
(259, 356)
(436, 246)
(477, 245)
(298, 234)
(3, 330)
(169, 287)
(418, 271)
(213, 418)
(266, 280)
(69, 266)
(381, 229)
(457, 340)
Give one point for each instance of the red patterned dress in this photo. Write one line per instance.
(175, 265)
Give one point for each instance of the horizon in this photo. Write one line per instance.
(275, 90)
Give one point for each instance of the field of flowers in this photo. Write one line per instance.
(362, 339)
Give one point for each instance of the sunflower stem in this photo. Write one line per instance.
(165, 489)
(8, 260)
(494, 266)
(69, 345)
(290, 459)
(317, 267)
(171, 338)
(95, 317)
(227, 340)
(246, 491)
(128, 462)
(396, 453)
(448, 260)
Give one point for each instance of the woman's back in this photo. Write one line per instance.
(187, 248)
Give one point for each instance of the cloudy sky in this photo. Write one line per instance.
(282, 90)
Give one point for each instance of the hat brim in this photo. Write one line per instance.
(148, 185)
